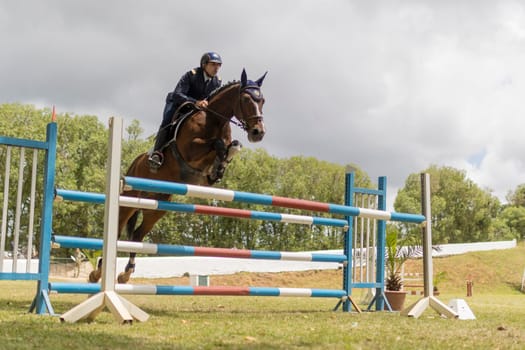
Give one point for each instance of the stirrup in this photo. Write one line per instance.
(155, 160)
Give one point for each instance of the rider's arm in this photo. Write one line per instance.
(180, 94)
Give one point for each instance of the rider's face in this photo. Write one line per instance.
(212, 68)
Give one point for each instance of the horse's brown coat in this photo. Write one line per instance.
(202, 142)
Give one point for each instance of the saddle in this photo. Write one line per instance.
(168, 134)
(182, 113)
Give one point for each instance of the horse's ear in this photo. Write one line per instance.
(244, 78)
(260, 80)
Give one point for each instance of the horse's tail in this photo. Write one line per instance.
(130, 225)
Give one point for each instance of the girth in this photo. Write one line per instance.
(188, 173)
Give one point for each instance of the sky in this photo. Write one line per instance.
(391, 86)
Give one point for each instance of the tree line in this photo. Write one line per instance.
(461, 210)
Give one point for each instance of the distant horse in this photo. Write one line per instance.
(198, 154)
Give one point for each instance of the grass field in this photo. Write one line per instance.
(196, 322)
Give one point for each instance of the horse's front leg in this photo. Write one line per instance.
(124, 216)
(149, 218)
(217, 171)
(224, 155)
(234, 148)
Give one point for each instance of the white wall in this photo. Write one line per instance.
(162, 267)
(158, 267)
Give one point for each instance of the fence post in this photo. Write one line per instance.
(381, 238)
(121, 309)
(415, 310)
(347, 268)
(42, 302)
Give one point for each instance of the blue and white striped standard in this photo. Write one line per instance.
(93, 288)
(179, 250)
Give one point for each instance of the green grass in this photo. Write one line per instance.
(196, 322)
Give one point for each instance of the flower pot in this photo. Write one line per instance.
(396, 299)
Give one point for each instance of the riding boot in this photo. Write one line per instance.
(157, 157)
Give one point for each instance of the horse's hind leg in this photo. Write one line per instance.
(149, 218)
(124, 215)
(95, 275)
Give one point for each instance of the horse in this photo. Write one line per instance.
(198, 154)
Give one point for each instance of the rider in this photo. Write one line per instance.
(195, 86)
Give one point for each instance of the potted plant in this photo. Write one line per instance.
(438, 278)
(398, 250)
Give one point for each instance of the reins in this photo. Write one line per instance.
(206, 109)
(243, 124)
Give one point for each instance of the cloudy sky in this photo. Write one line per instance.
(392, 86)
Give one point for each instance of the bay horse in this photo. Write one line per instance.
(201, 148)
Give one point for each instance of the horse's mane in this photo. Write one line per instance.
(222, 88)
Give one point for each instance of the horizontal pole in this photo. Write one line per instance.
(369, 191)
(146, 203)
(78, 196)
(138, 184)
(14, 276)
(92, 288)
(180, 250)
(367, 285)
(11, 141)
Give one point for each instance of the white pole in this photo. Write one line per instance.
(18, 211)
(5, 207)
(362, 246)
(121, 308)
(427, 235)
(30, 232)
(415, 310)
(109, 263)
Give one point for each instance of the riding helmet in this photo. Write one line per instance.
(210, 57)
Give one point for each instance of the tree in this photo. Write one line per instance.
(26, 122)
(461, 211)
(514, 218)
(134, 130)
(82, 148)
(81, 165)
(517, 198)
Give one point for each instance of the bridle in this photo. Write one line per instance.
(255, 95)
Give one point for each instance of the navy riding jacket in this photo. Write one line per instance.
(191, 87)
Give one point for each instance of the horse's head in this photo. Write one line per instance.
(250, 107)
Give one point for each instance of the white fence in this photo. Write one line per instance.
(461, 248)
(161, 267)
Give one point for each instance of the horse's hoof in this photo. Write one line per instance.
(123, 277)
(153, 171)
(94, 276)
